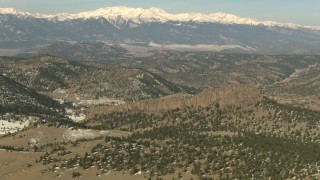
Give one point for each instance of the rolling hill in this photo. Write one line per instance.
(74, 81)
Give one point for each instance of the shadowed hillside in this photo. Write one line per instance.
(17, 98)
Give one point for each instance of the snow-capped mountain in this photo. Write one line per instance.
(156, 26)
(139, 15)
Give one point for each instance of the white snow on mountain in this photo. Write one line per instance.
(13, 11)
(139, 15)
(74, 135)
(8, 11)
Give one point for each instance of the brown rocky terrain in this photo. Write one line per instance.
(136, 124)
(84, 51)
(206, 69)
(301, 88)
(219, 133)
(230, 95)
(73, 81)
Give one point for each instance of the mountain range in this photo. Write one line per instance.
(123, 25)
(153, 14)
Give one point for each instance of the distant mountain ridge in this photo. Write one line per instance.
(123, 25)
(153, 14)
(84, 51)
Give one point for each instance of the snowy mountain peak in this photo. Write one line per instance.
(8, 11)
(12, 11)
(137, 15)
(153, 14)
(156, 9)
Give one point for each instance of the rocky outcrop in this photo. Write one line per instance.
(230, 95)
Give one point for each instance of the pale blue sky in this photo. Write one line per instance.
(305, 12)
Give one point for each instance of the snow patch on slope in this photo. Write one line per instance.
(74, 135)
(75, 116)
(12, 126)
(100, 101)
